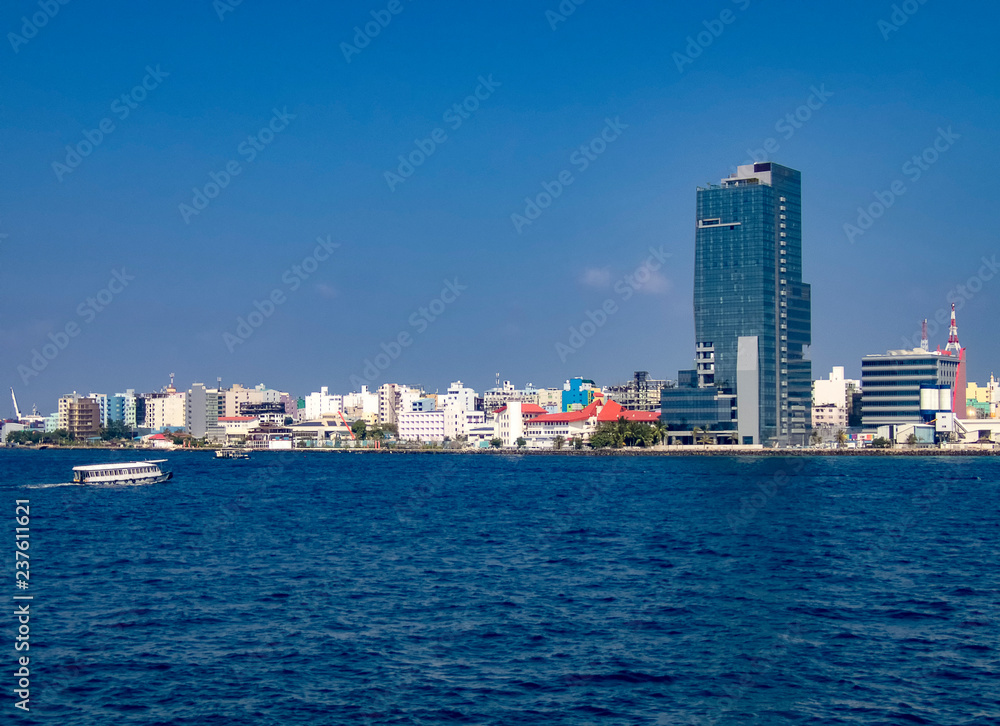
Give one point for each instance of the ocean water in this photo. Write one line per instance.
(318, 588)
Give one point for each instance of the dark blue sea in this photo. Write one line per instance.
(321, 588)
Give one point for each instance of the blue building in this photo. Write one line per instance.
(752, 311)
(577, 391)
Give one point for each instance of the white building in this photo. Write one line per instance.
(511, 420)
(362, 405)
(394, 398)
(829, 415)
(834, 389)
(166, 409)
(831, 399)
(458, 422)
(237, 427)
(421, 425)
(459, 397)
(320, 403)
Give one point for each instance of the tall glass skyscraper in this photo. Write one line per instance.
(752, 312)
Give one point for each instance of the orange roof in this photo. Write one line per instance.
(613, 411)
(588, 412)
(526, 408)
(237, 418)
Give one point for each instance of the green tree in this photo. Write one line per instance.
(815, 438)
(841, 438)
(520, 442)
(115, 430)
(881, 443)
(496, 443)
(659, 431)
(558, 442)
(911, 439)
(360, 429)
(577, 442)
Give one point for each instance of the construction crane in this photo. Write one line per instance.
(17, 411)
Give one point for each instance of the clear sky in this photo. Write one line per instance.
(676, 110)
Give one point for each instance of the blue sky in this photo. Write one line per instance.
(343, 124)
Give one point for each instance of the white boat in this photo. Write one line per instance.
(232, 454)
(126, 472)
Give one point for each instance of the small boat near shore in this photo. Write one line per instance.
(232, 454)
(126, 472)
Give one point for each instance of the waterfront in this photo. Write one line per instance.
(514, 589)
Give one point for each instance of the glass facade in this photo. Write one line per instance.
(748, 282)
(890, 384)
(685, 408)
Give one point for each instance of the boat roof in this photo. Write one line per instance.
(117, 465)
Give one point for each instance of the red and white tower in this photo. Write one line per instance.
(924, 345)
(953, 347)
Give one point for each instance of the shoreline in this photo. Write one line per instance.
(674, 451)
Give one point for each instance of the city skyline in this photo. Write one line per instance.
(308, 220)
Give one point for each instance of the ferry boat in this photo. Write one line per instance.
(126, 472)
(232, 454)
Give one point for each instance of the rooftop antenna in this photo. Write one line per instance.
(171, 380)
(953, 346)
(923, 337)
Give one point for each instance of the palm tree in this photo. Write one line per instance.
(496, 443)
(706, 439)
(695, 433)
(841, 438)
(646, 435)
(659, 431)
(520, 442)
(816, 438)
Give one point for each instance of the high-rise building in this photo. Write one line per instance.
(891, 384)
(752, 311)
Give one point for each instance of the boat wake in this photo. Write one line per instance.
(86, 485)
